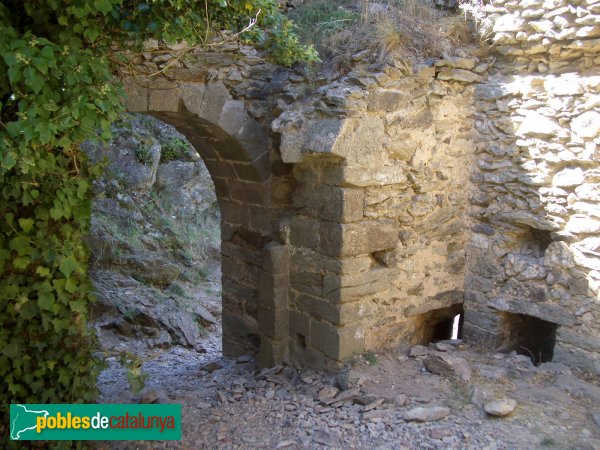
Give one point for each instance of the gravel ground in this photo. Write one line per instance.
(376, 403)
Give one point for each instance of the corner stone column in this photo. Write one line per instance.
(273, 314)
(333, 275)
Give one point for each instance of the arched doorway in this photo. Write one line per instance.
(251, 187)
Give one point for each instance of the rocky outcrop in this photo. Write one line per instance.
(154, 232)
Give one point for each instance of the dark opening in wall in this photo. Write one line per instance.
(301, 340)
(539, 240)
(439, 325)
(442, 330)
(529, 336)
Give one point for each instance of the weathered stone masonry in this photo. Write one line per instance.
(533, 259)
(364, 213)
(381, 165)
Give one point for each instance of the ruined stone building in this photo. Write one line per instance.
(371, 211)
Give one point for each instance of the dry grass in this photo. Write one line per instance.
(396, 29)
(418, 28)
(389, 38)
(458, 32)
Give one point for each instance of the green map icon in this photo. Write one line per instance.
(23, 420)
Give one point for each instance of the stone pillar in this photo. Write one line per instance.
(273, 314)
(332, 275)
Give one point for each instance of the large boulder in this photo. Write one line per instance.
(448, 366)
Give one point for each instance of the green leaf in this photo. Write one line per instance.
(14, 128)
(4, 255)
(21, 245)
(26, 224)
(34, 80)
(57, 212)
(21, 262)
(15, 74)
(82, 189)
(41, 64)
(13, 349)
(91, 34)
(71, 286)
(67, 266)
(46, 301)
(64, 142)
(9, 160)
(10, 59)
(104, 6)
(43, 271)
(47, 52)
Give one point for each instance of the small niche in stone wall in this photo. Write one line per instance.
(537, 241)
(301, 341)
(529, 336)
(439, 325)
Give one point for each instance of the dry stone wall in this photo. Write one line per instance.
(533, 263)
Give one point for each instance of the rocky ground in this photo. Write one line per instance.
(160, 330)
(426, 397)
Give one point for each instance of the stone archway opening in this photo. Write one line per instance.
(253, 189)
(242, 185)
(154, 242)
(528, 336)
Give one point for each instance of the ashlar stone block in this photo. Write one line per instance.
(317, 262)
(357, 238)
(137, 96)
(304, 232)
(273, 322)
(336, 313)
(330, 203)
(271, 352)
(337, 342)
(273, 290)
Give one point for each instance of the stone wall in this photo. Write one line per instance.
(343, 231)
(381, 169)
(532, 259)
(361, 212)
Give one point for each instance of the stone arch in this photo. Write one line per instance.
(236, 150)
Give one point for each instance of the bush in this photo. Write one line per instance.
(318, 20)
(176, 148)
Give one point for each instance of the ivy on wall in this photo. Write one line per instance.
(58, 60)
